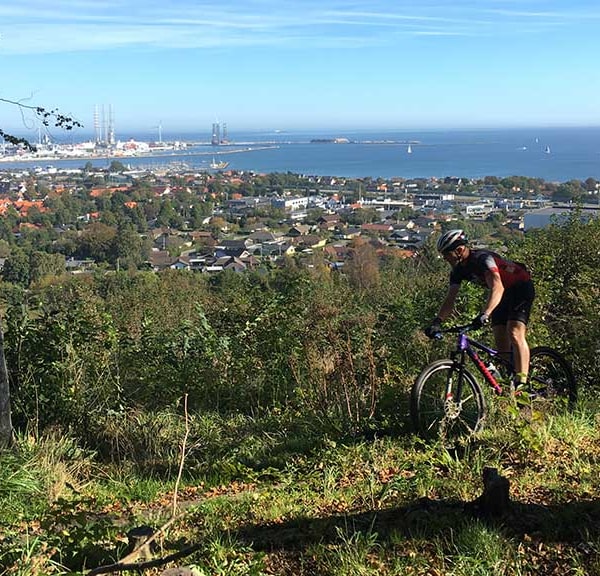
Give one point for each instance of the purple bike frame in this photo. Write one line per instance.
(466, 345)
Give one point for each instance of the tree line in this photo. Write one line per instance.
(341, 350)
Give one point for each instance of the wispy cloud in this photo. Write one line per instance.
(39, 26)
(567, 16)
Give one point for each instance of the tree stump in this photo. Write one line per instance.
(495, 500)
(139, 547)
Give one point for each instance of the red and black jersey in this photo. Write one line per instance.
(480, 261)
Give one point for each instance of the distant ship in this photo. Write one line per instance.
(218, 165)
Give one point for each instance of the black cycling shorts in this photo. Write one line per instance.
(515, 304)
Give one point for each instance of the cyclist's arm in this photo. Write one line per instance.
(448, 303)
(494, 283)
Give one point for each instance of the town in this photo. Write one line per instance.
(175, 217)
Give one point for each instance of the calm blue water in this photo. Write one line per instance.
(574, 153)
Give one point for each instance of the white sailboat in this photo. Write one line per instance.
(409, 149)
(218, 165)
(547, 150)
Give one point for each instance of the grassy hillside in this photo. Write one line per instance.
(264, 497)
(267, 415)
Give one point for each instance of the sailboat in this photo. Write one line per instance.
(547, 150)
(409, 149)
(218, 165)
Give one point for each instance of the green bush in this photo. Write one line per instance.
(315, 343)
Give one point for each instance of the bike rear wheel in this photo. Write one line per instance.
(436, 410)
(551, 384)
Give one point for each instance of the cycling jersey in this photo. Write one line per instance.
(480, 261)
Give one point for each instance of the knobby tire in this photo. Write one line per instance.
(434, 415)
(551, 384)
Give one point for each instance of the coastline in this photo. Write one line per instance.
(575, 154)
(110, 157)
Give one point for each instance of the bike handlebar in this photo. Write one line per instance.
(454, 330)
(458, 329)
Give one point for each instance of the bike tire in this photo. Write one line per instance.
(433, 415)
(551, 384)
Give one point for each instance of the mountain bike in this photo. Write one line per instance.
(448, 401)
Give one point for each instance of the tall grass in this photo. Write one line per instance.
(261, 503)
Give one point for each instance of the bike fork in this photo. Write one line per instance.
(454, 392)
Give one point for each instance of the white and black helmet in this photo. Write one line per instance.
(451, 240)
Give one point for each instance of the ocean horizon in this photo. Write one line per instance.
(553, 154)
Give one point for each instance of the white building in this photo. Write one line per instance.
(477, 210)
(545, 216)
(294, 204)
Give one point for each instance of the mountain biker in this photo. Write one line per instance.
(510, 296)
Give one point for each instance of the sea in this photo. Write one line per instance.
(553, 154)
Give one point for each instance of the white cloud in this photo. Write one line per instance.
(41, 26)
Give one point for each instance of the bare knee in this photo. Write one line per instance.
(517, 336)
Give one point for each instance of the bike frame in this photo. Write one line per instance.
(467, 347)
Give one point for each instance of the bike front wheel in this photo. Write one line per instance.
(551, 384)
(446, 404)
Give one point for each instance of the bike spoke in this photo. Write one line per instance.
(551, 386)
(437, 413)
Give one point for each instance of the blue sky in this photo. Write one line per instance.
(313, 64)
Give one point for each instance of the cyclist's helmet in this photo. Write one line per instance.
(451, 240)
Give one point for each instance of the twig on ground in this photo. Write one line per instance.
(123, 567)
(128, 562)
(183, 448)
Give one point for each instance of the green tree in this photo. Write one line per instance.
(405, 213)
(167, 215)
(363, 266)
(591, 185)
(565, 262)
(96, 242)
(362, 216)
(16, 268)
(43, 264)
(116, 166)
(66, 243)
(200, 211)
(569, 191)
(129, 249)
(215, 186)
(138, 218)
(4, 249)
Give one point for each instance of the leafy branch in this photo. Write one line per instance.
(48, 117)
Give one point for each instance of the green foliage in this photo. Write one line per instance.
(386, 506)
(60, 356)
(565, 262)
(116, 166)
(160, 367)
(334, 349)
(96, 242)
(572, 190)
(43, 264)
(481, 550)
(352, 555)
(223, 557)
(16, 268)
